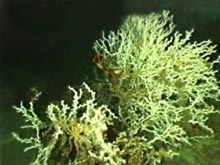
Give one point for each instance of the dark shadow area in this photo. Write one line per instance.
(48, 44)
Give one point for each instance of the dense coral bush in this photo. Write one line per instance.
(154, 98)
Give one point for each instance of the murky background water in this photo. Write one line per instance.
(47, 44)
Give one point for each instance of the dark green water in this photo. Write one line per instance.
(47, 44)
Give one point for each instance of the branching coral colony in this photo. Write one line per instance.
(156, 90)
